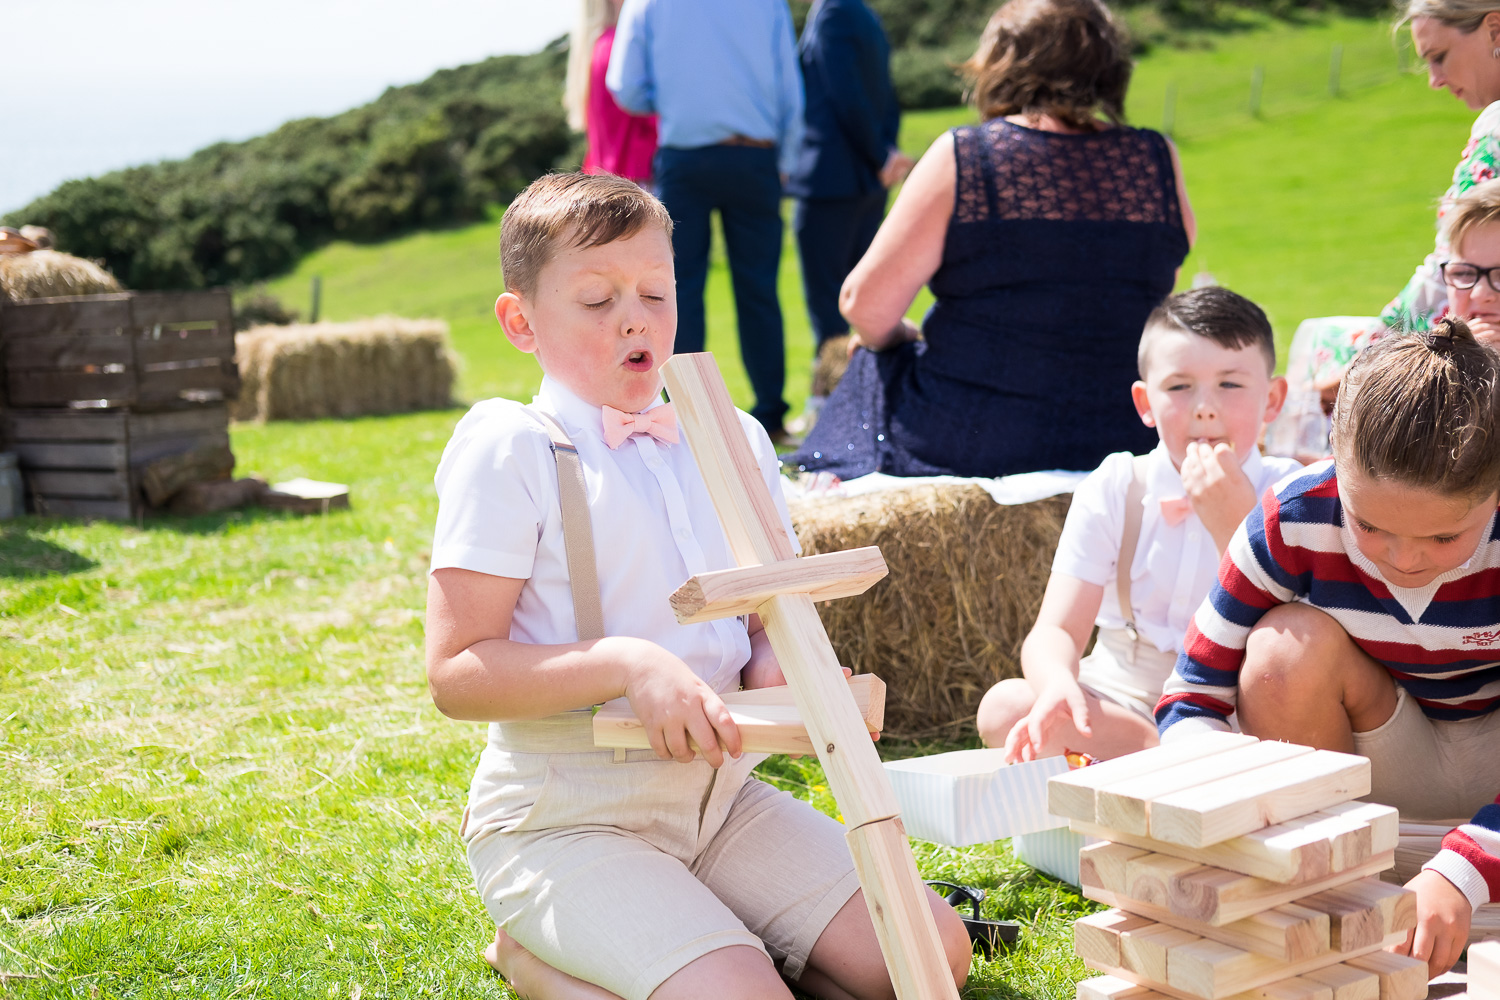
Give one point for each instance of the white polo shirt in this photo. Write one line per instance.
(653, 521)
(1174, 565)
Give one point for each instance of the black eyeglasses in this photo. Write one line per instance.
(1466, 276)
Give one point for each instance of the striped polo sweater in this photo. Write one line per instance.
(1440, 642)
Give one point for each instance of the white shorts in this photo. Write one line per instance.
(1128, 672)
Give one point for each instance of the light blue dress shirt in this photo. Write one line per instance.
(711, 69)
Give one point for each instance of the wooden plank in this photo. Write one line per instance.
(1230, 807)
(1212, 970)
(1353, 923)
(1096, 937)
(1114, 988)
(52, 425)
(67, 315)
(1384, 822)
(898, 906)
(51, 388)
(151, 308)
(1484, 970)
(67, 455)
(1072, 795)
(1212, 895)
(65, 351)
(1289, 932)
(1298, 988)
(109, 510)
(1347, 982)
(767, 718)
(1282, 853)
(1124, 805)
(193, 423)
(173, 385)
(79, 485)
(176, 346)
(1401, 976)
(740, 591)
(714, 432)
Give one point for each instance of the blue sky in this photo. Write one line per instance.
(94, 85)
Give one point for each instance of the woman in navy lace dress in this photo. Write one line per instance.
(1047, 234)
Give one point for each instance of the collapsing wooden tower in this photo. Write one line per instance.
(1238, 869)
(777, 585)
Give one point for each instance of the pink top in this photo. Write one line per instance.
(618, 141)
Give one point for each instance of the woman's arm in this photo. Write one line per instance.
(475, 671)
(905, 253)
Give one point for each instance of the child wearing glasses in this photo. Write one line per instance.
(1358, 608)
(1144, 535)
(1472, 227)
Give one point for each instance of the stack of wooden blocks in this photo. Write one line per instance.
(1238, 869)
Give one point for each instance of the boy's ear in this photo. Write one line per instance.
(510, 311)
(1275, 399)
(1143, 403)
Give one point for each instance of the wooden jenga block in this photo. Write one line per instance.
(1297, 988)
(1347, 982)
(1401, 977)
(728, 593)
(1096, 937)
(768, 719)
(1365, 910)
(1072, 795)
(1484, 970)
(1384, 822)
(1204, 893)
(1144, 950)
(1229, 807)
(1114, 988)
(1289, 932)
(1125, 805)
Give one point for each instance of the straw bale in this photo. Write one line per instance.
(966, 580)
(308, 371)
(832, 362)
(45, 274)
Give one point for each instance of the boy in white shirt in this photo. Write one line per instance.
(660, 874)
(1206, 360)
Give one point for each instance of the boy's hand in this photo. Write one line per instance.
(1059, 703)
(1443, 916)
(1220, 492)
(673, 704)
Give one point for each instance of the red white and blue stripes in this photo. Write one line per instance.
(1470, 857)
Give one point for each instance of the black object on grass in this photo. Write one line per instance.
(987, 935)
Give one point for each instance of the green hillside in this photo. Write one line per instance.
(1319, 206)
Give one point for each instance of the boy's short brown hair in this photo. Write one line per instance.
(1227, 318)
(1478, 206)
(585, 210)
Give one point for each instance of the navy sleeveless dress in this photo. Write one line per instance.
(1058, 249)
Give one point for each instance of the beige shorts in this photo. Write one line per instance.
(1128, 672)
(1432, 768)
(623, 873)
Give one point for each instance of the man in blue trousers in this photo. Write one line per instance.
(848, 158)
(722, 77)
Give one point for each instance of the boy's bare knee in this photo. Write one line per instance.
(1002, 707)
(1279, 649)
(957, 945)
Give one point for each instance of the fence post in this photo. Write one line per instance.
(1257, 83)
(1335, 64)
(317, 298)
(1169, 110)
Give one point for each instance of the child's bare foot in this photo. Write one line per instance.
(530, 977)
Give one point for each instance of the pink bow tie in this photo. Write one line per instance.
(660, 422)
(1174, 510)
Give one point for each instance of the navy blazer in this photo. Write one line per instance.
(851, 111)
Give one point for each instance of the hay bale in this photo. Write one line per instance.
(966, 580)
(308, 371)
(46, 274)
(832, 362)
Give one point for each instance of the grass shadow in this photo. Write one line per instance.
(25, 556)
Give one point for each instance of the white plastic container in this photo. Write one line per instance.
(973, 796)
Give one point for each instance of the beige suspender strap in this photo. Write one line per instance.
(578, 533)
(1128, 540)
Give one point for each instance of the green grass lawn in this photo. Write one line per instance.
(223, 775)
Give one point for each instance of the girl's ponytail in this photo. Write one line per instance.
(1423, 409)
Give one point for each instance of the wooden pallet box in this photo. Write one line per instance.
(143, 351)
(89, 463)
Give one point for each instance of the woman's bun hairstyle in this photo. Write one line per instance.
(1423, 409)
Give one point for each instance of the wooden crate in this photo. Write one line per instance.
(144, 351)
(78, 463)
